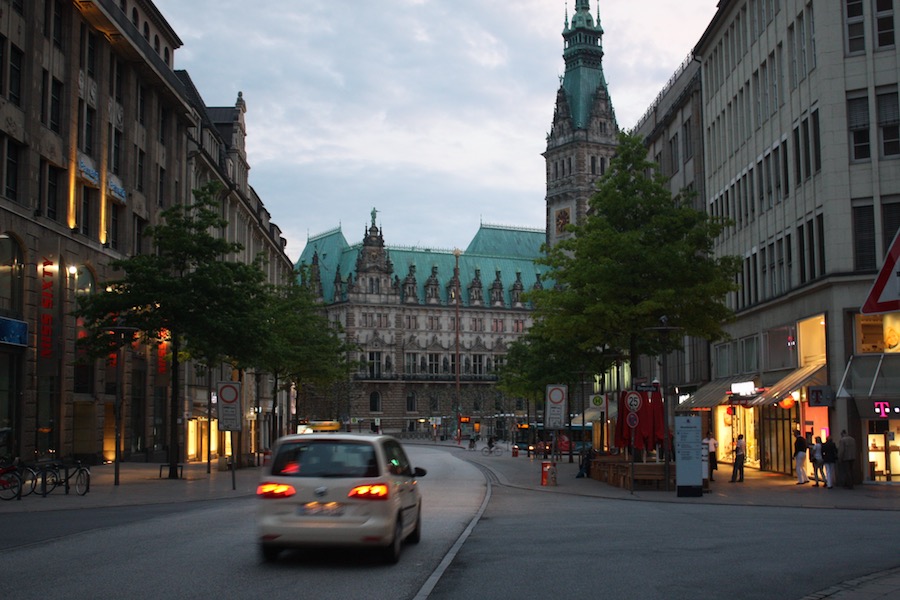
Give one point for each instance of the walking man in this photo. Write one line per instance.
(846, 456)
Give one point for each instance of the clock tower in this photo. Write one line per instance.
(584, 133)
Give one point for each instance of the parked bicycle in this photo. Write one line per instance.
(51, 475)
(10, 481)
(495, 450)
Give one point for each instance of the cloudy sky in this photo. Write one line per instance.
(435, 112)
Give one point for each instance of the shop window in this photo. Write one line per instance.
(780, 348)
(877, 333)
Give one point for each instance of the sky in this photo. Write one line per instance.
(433, 112)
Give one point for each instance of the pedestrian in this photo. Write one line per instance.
(829, 457)
(846, 456)
(800, 458)
(711, 445)
(818, 463)
(740, 455)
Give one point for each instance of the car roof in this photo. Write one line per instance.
(353, 437)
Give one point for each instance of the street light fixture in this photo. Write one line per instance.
(664, 330)
(456, 253)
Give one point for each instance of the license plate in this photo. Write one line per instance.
(321, 509)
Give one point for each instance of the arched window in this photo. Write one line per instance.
(123, 6)
(12, 277)
(166, 55)
(374, 402)
(146, 31)
(134, 17)
(156, 43)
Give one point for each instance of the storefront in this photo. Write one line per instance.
(872, 383)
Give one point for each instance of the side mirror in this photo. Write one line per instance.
(420, 472)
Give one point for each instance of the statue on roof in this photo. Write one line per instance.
(374, 214)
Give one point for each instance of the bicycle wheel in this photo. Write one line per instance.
(48, 477)
(498, 450)
(29, 480)
(10, 485)
(486, 451)
(82, 482)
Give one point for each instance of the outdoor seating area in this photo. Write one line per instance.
(619, 471)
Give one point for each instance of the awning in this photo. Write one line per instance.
(809, 375)
(712, 394)
(594, 413)
(873, 382)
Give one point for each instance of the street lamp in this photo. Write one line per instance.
(125, 333)
(664, 330)
(456, 253)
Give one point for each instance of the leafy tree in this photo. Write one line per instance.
(639, 255)
(302, 347)
(185, 292)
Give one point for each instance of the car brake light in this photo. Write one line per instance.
(378, 491)
(275, 490)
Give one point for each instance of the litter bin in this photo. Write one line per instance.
(548, 473)
(515, 451)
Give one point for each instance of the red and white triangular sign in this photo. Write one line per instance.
(885, 293)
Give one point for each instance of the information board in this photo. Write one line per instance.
(689, 456)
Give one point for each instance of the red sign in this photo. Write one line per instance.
(885, 293)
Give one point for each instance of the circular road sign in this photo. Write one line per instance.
(556, 395)
(633, 401)
(632, 420)
(228, 394)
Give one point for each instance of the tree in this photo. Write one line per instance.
(639, 255)
(302, 346)
(185, 291)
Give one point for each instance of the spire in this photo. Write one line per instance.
(583, 53)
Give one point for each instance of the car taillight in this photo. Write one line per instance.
(275, 490)
(378, 491)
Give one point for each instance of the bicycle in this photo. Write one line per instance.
(51, 476)
(10, 482)
(496, 451)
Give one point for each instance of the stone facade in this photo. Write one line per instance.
(98, 135)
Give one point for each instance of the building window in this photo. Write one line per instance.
(673, 150)
(889, 123)
(56, 94)
(161, 188)
(856, 35)
(88, 210)
(374, 402)
(55, 184)
(858, 122)
(686, 140)
(139, 171)
(478, 364)
(411, 365)
(115, 211)
(16, 58)
(11, 169)
(434, 364)
(91, 54)
(884, 23)
(142, 104)
(90, 118)
(890, 222)
(374, 365)
(140, 226)
(411, 402)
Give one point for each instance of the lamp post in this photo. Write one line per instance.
(456, 253)
(664, 330)
(125, 333)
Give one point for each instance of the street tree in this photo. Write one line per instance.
(639, 255)
(186, 292)
(302, 348)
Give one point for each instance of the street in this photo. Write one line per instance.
(528, 544)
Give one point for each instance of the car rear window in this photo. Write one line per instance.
(325, 458)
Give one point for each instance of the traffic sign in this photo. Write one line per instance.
(229, 395)
(556, 410)
(632, 420)
(633, 402)
(885, 293)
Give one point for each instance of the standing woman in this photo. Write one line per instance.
(800, 458)
(818, 463)
(829, 457)
(740, 454)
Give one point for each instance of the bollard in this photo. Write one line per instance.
(548, 473)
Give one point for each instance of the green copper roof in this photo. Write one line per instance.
(584, 67)
(506, 250)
